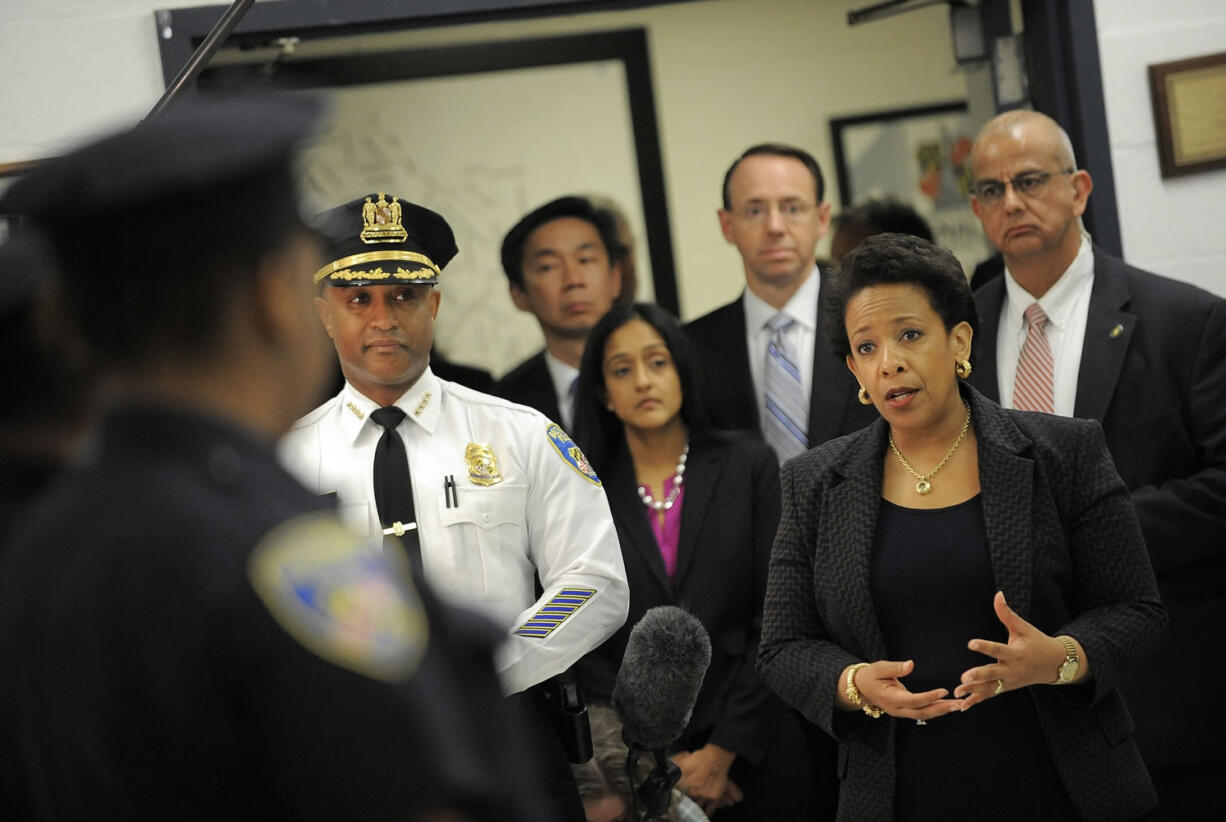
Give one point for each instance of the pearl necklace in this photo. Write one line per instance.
(678, 479)
(925, 485)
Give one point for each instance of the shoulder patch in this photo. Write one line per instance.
(553, 613)
(570, 452)
(341, 597)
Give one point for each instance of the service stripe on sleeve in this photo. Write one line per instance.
(553, 613)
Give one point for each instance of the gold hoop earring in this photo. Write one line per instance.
(963, 368)
(865, 399)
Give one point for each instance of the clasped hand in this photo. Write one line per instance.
(1029, 657)
(704, 776)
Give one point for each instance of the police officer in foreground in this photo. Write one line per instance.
(490, 497)
(185, 631)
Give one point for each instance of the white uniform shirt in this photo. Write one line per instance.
(543, 514)
(802, 308)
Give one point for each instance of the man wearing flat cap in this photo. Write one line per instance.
(496, 503)
(185, 631)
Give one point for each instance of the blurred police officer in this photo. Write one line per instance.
(496, 503)
(185, 631)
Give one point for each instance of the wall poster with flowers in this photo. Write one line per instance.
(920, 156)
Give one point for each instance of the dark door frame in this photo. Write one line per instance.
(1066, 83)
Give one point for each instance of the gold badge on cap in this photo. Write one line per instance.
(482, 464)
(381, 221)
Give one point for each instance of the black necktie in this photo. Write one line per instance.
(393, 483)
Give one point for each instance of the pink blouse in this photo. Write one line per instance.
(668, 535)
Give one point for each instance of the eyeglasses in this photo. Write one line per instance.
(792, 211)
(1030, 184)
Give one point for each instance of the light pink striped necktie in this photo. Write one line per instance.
(1033, 386)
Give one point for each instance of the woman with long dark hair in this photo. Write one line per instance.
(696, 513)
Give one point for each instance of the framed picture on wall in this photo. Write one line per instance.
(919, 156)
(1189, 100)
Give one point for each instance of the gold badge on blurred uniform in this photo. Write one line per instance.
(482, 464)
(381, 221)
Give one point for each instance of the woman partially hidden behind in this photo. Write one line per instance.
(953, 589)
(696, 512)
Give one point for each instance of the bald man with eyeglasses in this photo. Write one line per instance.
(1074, 331)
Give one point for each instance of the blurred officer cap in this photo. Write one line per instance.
(197, 144)
(205, 167)
(155, 223)
(380, 239)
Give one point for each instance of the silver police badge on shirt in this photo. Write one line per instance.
(482, 464)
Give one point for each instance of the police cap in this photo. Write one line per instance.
(185, 203)
(197, 144)
(380, 239)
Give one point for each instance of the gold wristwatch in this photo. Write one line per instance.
(1067, 671)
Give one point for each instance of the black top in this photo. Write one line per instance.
(932, 587)
(155, 682)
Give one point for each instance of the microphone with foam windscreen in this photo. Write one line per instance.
(661, 673)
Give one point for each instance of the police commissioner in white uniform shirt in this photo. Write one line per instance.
(537, 506)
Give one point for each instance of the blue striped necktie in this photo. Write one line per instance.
(787, 406)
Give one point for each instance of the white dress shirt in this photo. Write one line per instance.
(1067, 306)
(563, 376)
(546, 513)
(803, 334)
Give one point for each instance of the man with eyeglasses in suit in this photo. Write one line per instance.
(766, 365)
(767, 369)
(1072, 330)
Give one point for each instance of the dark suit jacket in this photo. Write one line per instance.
(723, 356)
(1158, 386)
(529, 384)
(1065, 548)
(728, 518)
(478, 379)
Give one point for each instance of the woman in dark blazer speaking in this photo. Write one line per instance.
(954, 589)
(696, 514)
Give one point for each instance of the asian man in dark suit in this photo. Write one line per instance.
(560, 262)
(773, 212)
(1143, 355)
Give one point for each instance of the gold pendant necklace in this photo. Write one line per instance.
(924, 485)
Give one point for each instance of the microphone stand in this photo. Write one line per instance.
(651, 799)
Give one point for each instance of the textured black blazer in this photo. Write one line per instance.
(723, 356)
(1065, 548)
(728, 519)
(1153, 372)
(529, 384)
